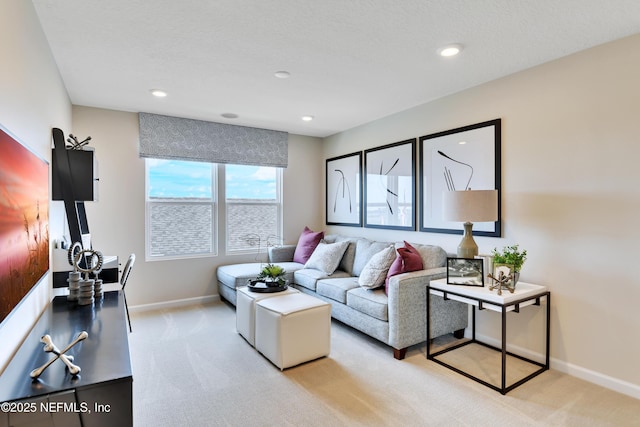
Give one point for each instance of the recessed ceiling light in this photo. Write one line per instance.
(450, 50)
(307, 118)
(282, 74)
(159, 93)
(229, 115)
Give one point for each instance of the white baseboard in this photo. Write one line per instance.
(611, 383)
(594, 377)
(174, 304)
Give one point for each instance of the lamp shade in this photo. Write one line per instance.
(470, 205)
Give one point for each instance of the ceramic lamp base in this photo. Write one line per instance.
(467, 247)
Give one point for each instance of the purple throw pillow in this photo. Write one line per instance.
(307, 243)
(408, 259)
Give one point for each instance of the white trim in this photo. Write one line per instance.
(594, 377)
(174, 304)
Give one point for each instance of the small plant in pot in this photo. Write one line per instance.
(511, 255)
(272, 275)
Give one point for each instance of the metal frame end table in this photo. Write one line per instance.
(481, 298)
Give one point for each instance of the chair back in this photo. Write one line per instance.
(127, 269)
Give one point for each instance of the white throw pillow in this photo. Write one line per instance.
(326, 256)
(375, 271)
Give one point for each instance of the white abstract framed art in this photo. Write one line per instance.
(390, 186)
(344, 190)
(465, 158)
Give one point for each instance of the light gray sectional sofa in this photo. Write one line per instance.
(396, 317)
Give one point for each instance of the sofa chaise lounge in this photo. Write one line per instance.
(394, 314)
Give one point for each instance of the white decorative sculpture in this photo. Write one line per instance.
(50, 347)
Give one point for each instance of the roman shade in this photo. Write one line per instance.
(165, 137)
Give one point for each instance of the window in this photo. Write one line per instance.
(181, 209)
(253, 207)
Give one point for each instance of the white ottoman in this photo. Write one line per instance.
(293, 329)
(246, 310)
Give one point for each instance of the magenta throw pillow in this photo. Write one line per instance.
(408, 259)
(307, 243)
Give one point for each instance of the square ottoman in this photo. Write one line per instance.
(293, 329)
(246, 310)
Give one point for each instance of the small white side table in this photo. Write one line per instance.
(246, 310)
(481, 298)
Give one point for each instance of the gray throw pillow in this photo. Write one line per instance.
(432, 256)
(365, 249)
(375, 272)
(327, 256)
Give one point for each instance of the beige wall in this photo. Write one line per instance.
(570, 150)
(32, 101)
(117, 219)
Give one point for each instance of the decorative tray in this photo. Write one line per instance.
(258, 286)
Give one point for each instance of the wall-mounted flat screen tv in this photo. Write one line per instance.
(24, 221)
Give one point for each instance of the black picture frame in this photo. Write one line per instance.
(390, 186)
(343, 184)
(465, 271)
(467, 157)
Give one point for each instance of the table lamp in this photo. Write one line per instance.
(469, 206)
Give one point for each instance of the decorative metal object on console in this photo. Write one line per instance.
(86, 294)
(50, 347)
(74, 285)
(97, 287)
(503, 278)
(75, 144)
(75, 275)
(254, 239)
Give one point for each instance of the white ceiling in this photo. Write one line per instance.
(351, 61)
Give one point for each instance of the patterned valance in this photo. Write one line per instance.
(164, 137)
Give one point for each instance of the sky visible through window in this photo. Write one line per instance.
(182, 179)
(250, 182)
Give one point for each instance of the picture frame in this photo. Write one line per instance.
(501, 270)
(465, 271)
(390, 186)
(343, 179)
(24, 242)
(459, 159)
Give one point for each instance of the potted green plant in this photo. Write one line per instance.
(272, 275)
(511, 255)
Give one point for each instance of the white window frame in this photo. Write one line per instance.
(278, 202)
(157, 201)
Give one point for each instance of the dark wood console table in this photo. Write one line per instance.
(101, 395)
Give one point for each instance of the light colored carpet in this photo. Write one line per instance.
(191, 368)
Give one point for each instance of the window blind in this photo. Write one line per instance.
(165, 137)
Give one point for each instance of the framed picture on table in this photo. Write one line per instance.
(465, 271)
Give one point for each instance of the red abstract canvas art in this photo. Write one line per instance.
(24, 221)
